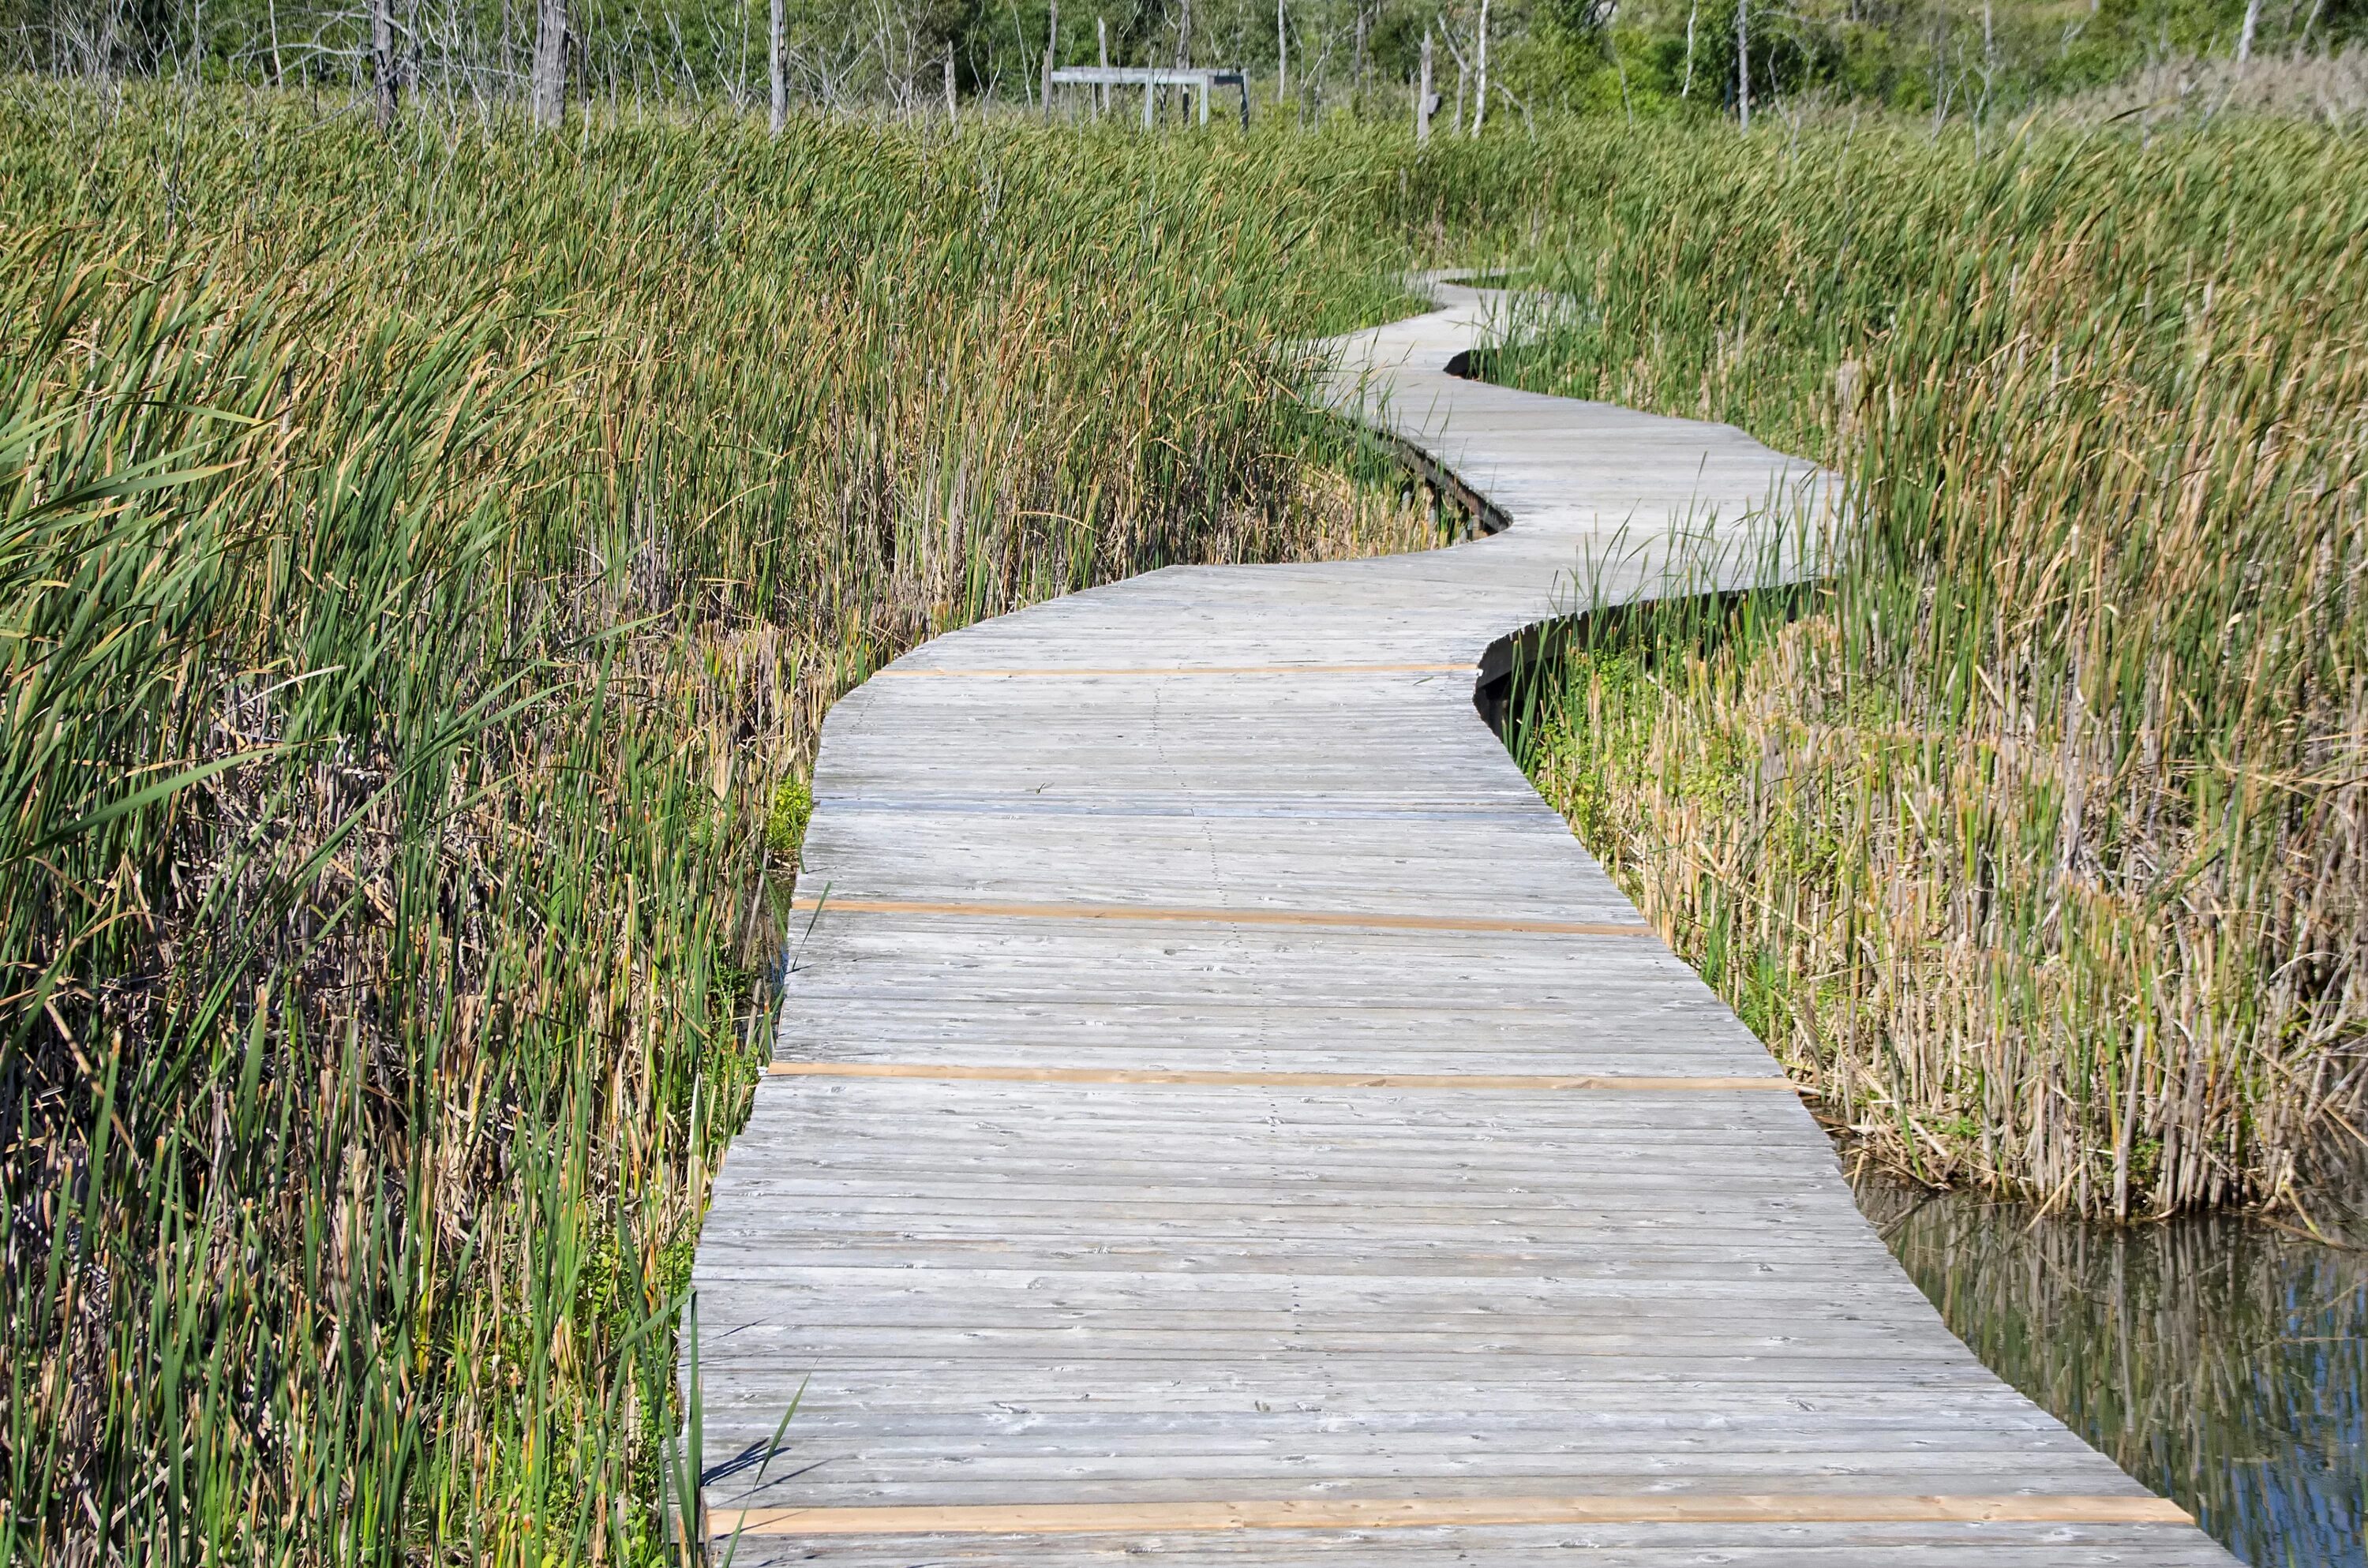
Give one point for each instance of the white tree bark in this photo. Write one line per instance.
(1686, 89)
(1743, 62)
(1480, 67)
(1281, 56)
(2245, 38)
(1423, 100)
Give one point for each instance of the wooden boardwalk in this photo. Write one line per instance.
(1219, 1113)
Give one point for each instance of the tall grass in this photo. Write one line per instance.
(2031, 840)
(422, 564)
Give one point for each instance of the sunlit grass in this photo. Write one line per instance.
(2031, 839)
(425, 564)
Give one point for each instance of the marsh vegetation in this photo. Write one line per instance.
(2029, 839)
(426, 554)
(424, 565)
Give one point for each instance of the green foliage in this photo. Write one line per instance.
(423, 559)
(785, 824)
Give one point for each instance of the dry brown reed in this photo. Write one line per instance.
(2033, 838)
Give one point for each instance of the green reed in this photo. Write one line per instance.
(424, 563)
(2029, 838)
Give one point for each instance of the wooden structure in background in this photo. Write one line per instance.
(1151, 78)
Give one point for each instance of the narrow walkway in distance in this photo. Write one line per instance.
(1221, 1115)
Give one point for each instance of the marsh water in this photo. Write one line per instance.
(2224, 1362)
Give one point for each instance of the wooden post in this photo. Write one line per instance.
(1101, 42)
(1147, 91)
(953, 115)
(549, 79)
(779, 65)
(1204, 100)
(1480, 103)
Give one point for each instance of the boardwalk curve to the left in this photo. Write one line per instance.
(1220, 1114)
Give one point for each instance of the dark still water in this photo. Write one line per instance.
(2222, 1362)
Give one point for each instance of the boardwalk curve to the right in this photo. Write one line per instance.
(1219, 1115)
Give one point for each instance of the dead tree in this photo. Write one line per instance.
(550, 84)
(386, 80)
(781, 65)
(1425, 102)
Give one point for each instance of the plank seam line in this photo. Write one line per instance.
(1055, 671)
(1330, 1513)
(964, 1071)
(1343, 918)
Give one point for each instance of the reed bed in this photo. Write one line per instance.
(425, 561)
(2031, 839)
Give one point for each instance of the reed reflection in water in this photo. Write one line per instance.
(2220, 1361)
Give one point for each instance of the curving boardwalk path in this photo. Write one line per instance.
(1219, 1113)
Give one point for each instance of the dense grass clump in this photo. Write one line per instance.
(2033, 838)
(424, 561)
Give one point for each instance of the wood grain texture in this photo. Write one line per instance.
(1376, 920)
(1599, 1082)
(1219, 1114)
(1415, 1513)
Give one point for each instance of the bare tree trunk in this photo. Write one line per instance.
(1743, 62)
(382, 61)
(1686, 89)
(2245, 38)
(1423, 100)
(778, 65)
(1480, 103)
(1052, 46)
(1281, 56)
(1184, 35)
(953, 115)
(549, 80)
(278, 77)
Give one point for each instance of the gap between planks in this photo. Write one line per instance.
(1342, 918)
(1358, 1513)
(964, 1071)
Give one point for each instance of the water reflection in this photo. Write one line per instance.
(2219, 1361)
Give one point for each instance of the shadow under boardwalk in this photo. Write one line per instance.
(1220, 1114)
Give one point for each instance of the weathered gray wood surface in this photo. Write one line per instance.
(1645, 1321)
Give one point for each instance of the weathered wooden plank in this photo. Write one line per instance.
(1404, 1512)
(1220, 1114)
